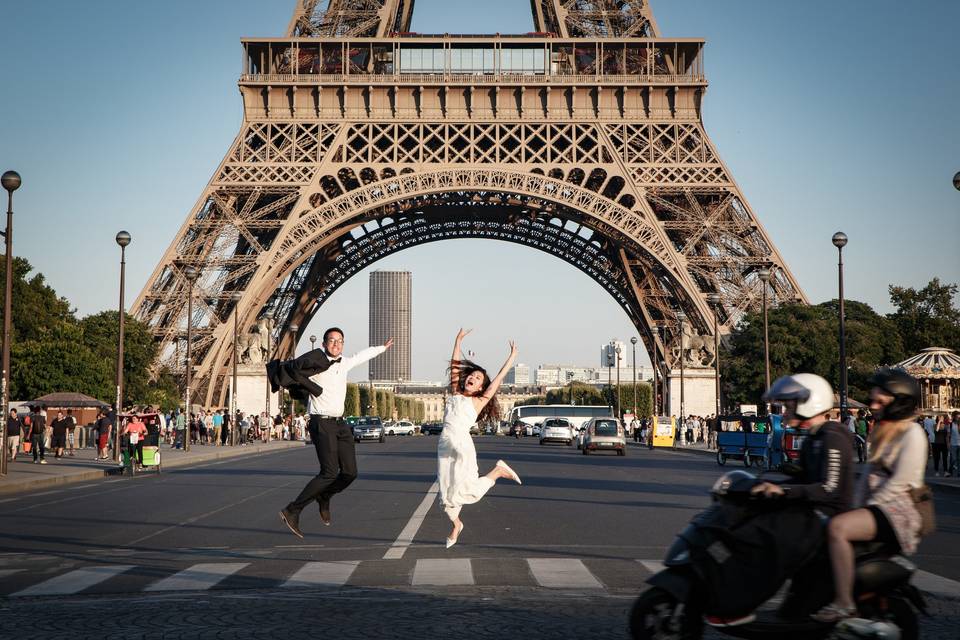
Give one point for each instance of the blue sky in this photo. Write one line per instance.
(831, 116)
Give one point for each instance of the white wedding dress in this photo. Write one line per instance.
(457, 472)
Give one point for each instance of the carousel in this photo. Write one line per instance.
(938, 371)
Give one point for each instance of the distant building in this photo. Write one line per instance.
(391, 317)
(518, 374)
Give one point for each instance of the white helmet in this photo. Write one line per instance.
(807, 394)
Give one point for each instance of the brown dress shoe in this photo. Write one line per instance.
(325, 510)
(292, 520)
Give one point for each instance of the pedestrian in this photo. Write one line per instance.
(227, 427)
(71, 433)
(216, 427)
(59, 440)
(104, 427)
(14, 427)
(38, 435)
(954, 443)
(206, 427)
(332, 437)
(941, 434)
(180, 426)
(472, 399)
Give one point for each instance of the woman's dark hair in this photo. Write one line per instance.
(462, 369)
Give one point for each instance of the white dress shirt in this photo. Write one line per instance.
(334, 382)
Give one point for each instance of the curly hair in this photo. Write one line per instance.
(462, 369)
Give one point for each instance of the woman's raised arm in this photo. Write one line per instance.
(495, 383)
(456, 357)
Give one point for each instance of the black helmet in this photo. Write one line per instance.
(905, 391)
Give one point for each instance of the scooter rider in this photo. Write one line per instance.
(825, 479)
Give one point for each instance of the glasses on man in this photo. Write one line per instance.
(334, 341)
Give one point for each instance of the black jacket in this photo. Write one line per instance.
(294, 375)
(826, 477)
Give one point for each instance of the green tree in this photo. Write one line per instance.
(351, 407)
(805, 339)
(37, 311)
(58, 362)
(575, 393)
(367, 400)
(644, 398)
(927, 317)
(100, 333)
(532, 400)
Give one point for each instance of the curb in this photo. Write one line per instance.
(938, 486)
(7, 487)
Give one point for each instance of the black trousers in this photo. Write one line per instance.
(333, 441)
(37, 442)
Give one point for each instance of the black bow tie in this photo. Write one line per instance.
(336, 361)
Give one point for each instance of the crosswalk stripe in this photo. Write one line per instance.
(319, 574)
(443, 571)
(562, 573)
(933, 583)
(198, 577)
(8, 572)
(653, 566)
(74, 581)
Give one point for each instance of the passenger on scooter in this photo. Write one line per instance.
(825, 477)
(886, 513)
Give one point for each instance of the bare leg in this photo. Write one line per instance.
(857, 525)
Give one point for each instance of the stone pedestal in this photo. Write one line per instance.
(252, 390)
(699, 392)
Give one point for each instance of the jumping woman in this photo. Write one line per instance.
(471, 400)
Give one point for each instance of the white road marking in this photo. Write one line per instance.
(443, 571)
(399, 547)
(74, 581)
(562, 573)
(314, 574)
(653, 566)
(8, 572)
(198, 577)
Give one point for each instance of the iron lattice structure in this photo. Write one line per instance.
(583, 140)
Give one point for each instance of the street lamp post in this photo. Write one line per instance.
(619, 412)
(191, 274)
(11, 182)
(293, 329)
(633, 343)
(313, 342)
(123, 239)
(764, 275)
(236, 296)
(840, 241)
(610, 378)
(714, 299)
(681, 316)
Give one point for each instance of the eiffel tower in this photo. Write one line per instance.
(583, 139)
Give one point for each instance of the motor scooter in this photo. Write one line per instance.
(736, 555)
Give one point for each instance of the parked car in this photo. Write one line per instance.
(401, 428)
(556, 430)
(603, 434)
(366, 428)
(532, 430)
(432, 428)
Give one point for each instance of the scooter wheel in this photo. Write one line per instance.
(904, 617)
(655, 616)
(721, 459)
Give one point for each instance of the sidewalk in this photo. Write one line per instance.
(23, 475)
(939, 484)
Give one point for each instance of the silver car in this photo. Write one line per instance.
(604, 434)
(556, 430)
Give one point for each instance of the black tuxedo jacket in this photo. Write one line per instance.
(294, 375)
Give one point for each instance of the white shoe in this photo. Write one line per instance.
(510, 472)
(453, 541)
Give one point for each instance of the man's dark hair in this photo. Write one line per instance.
(331, 330)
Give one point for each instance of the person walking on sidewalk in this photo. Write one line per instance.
(37, 435)
(14, 427)
(59, 439)
(472, 399)
(104, 425)
(940, 436)
(954, 442)
(331, 437)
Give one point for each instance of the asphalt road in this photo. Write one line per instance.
(201, 552)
